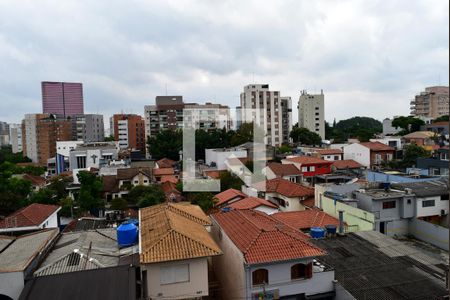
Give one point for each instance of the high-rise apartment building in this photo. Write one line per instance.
(15, 137)
(62, 98)
(89, 128)
(129, 131)
(40, 132)
(4, 133)
(431, 103)
(311, 112)
(271, 112)
(167, 113)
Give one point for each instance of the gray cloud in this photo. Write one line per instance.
(370, 57)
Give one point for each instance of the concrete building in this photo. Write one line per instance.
(272, 112)
(217, 157)
(4, 133)
(263, 258)
(62, 98)
(207, 116)
(311, 112)
(31, 218)
(431, 103)
(369, 154)
(89, 128)
(40, 132)
(129, 131)
(93, 155)
(15, 137)
(388, 129)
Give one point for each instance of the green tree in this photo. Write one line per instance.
(284, 149)
(44, 196)
(109, 138)
(89, 196)
(13, 194)
(407, 124)
(7, 155)
(119, 204)
(166, 143)
(245, 134)
(229, 181)
(362, 128)
(411, 153)
(305, 137)
(66, 207)
(443, 118)
(145, 196)
(204, 200)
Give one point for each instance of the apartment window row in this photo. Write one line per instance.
(298, 271)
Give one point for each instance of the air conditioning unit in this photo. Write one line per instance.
(444, 212)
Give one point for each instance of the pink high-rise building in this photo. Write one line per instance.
(62, 98)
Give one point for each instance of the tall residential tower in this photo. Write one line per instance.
(311, 112)
(62, 98)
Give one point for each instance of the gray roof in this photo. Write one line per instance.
(105, 251)
(370, 265)
(24, 249)
(5, 241)
(425, 188)
(115, 283)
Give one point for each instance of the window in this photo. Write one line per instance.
(174, 274)
(444, 197)
(300, 271)
(389, 204)
(304, 169)
(336, 157)
(427, 203)
(260, 276)
(312, 169)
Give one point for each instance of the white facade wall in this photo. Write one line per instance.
(311, 113)
(123, 133)
(15, 137)
(388, 129)
(219, 156)
(358, 153)
(390, 141)
(63, 148)
(431, 210)
(196, 286)
(293, 203)
(11, 284)
(31, 137)
(332, 157)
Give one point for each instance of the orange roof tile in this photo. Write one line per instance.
(284, 169)
(169, 178)
(377, 146)
(165, 163)
(251, 203)
(263, 239)
(169, 232)
(306, 219)
(163, 171)
(228, 195)
(31, 215)
(35, 180)
(284, 187)
(346, 164)
(305, 160)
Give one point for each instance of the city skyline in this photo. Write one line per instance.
(125, 56)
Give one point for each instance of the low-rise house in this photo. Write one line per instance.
(286, 171)
(425, 139)
(31, 218)
(436, 165)
(131, 177)
(329, 154)
(369, 154)
(439, 128)
(174, 250)
(256, 204)
(306, 219)
(37, 182)
(216, 157)
(227, 197)
(288, 196)
(171, 192)
(267, 259)
(347, 165)
(162, 173)
(391, 141)
(19, 256)
(165, 163)
(309, 166)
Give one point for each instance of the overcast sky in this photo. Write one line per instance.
(369, 57)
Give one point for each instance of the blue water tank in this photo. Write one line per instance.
(127, 234)
(317, 232)
(331, 229)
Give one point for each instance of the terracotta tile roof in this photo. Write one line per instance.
(184, 209)
(228, 195)
(165, 163)
(163, 171)
(263, 239)
(306, 219)
(284, 169)
(420, 135)
(29, 216)
(128, 173)
(328, 151)
(169, 187)
(377, 146)
(167, 235)
(110, 184)
(305, 160)
(346, 164)
(309, 202)
(212, 174)
(284, 187)
(169, 178)
(35, 180)
(251, 203)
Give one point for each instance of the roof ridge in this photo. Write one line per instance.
(195, 240)
(183, 213)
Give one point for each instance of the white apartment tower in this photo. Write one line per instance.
(15, 137)
(311, 112)
(271, 112)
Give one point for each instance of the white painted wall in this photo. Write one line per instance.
(11, 284)
(219, 156)
(431, 210)
(358, 153)
(197, 286)
(64, 147)
(266, 209)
